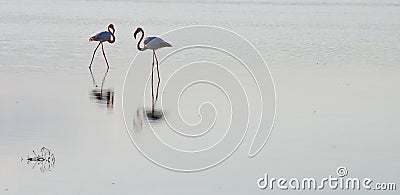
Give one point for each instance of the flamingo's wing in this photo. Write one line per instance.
(102, 36)
(148, 40)
(155, 43)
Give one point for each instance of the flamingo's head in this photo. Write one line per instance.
(111, 26)
(137, 31)
(91, 39)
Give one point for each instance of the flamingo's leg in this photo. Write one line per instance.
(94, 52)
(104, 54)
(158, 74)
(93, 80)
(102, 82)
(152, 90)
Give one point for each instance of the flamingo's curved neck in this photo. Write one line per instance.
(140, 40)
(112, 31)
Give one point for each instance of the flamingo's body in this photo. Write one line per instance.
(103, 37)
(152, 43)
(155, 43)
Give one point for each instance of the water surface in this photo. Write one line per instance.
(335, 65)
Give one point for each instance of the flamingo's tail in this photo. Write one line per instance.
(165, 44)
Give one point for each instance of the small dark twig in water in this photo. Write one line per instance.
(44, 159)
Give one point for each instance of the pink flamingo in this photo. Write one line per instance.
(102, 37)
(152, 43)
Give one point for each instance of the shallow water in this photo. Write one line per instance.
(334, 63)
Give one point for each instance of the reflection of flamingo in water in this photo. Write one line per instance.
(152, 43)
(103, 96)
(146, 115)
(138, 119)
(102, 37)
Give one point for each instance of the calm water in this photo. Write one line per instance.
(335, 66)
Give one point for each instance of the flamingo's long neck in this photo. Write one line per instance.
(140, 40)
(112, 40)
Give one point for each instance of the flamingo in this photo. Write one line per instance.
(152, 43)
(102, 37)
